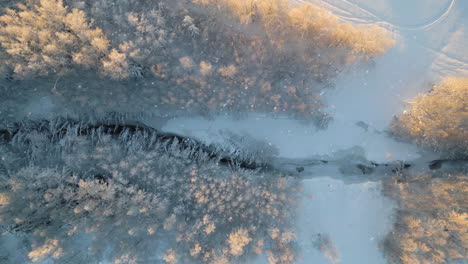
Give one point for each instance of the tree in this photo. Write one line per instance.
(438, 119)
(431, 220)
(44, 37)
(309, 22)
(128, 188)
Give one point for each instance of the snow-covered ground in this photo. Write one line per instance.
(296, 140)
(438, 28)
(355, 217)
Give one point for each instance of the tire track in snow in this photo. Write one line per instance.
(369, 17)
(378, 20)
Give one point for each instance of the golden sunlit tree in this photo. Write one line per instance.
(43, 36)
(438, 119)
(432, 220)
(308, 22)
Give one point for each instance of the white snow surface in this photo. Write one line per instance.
(354, 216)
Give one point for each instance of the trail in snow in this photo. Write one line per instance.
(448, 58)
(390, 24)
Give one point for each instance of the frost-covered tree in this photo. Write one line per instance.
(110, 188)
(438, 119)
(44, 36)
(431, 224)
(189, 57)
(285, 22)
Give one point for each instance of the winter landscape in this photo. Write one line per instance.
(222, 131)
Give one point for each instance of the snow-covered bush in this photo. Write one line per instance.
(324, 243)
(438, 119)
(138, 193)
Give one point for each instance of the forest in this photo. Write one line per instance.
(226, 131)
